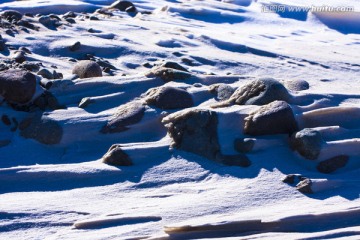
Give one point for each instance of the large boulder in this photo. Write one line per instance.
(332, 164)
(274, 118)
(169, 98)
(258, 92)
(307, 143)
(87, 69)
(195, 131)
(115, 156)
(42, 129)
(17, 86)
(127, 114)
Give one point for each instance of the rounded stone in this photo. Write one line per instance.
(87, 69)
(307, 143)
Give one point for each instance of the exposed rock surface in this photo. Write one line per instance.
(87, 69)
(304, 186)
(168, 74)
(41, 128)
(116, 157)
(196, 131)
(17, 86)
(332, 164)
(127, 114)
(274, 118)
(124, 6)
(297, 85)
(307, 143)
(169, 98)
(258, 92)
(11, 15)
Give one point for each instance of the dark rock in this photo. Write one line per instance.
(31, 66)
(169, 98)
(293, 178)
(6, 120)
(27, 24)
(274, 118)
(19, 57)
(94, 18)
(42, 128)
(76, 46)
(45, 73)
(240, 160)
(29, 15)
(51, 21)
(2, 45)
(70, 20)
(173, 65)
(11, 15)
(127, 114)
(47, 100)
(307, 143)
(244, 145)
(258, 92)
(87, 69)
(25, 50)
(194, 131)
(168, 74)
(17, 86)
(124, 6)
(70, 15)
(332, 164)
(116, 157)
(305, 186)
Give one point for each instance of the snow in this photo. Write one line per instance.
(64, 191)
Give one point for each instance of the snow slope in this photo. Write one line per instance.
(66, 192)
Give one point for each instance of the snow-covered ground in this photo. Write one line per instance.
(65, 191)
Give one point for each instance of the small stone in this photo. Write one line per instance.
(85, 102)
(6, 120)
(244, 145)
(297, 85)
(19, 57)
(116, 157)
(332, 164)
(305, 186)
(168, 74)
(70, 15)
(93, 18)
(291, 178)
(307, 143)
(76, 46)
(70, 20)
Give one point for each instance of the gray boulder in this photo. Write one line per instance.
(195, 131)
(87, 69)
(307, 143)
(42, 129)
(274, 118)
(304, 186)
(127, 114)
(116, 157)
(169, 98)
(258, 92)
(17, 86)
(332, 164)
